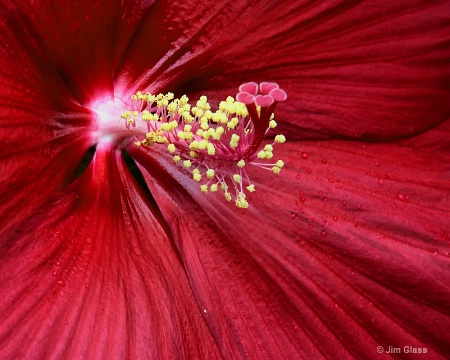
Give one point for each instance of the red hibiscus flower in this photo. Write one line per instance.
(343, 254)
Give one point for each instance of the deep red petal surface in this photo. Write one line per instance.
(346, 250)
(92, 274)
(43, 133)
(366, 69)
(83, 40)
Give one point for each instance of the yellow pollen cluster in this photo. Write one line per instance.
(211, 145)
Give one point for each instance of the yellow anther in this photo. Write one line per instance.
(237, 177)
(197, 112)
(188, 118)
(210, 173)
(171, 148)
(187, 163)
(268, 154)
(280, 163)
(133, 97)
(184, 100)
(204, 125)
(204, 188)
(262, 154)
(276, 170)
(187, 128)
(197, 176)
(232, 123)
(203, 144)
(241, 109)
(211, 149)
(272, 124)
(194, 145)
(241, 163)
(208, 114)
(227, 196)
(251, 188)
(172, 107)
(165, 127)
(192, 154)
(241, 202)
(220, 130)
(280, 139)
(181, 135)
(176, 158)
(161, 140)
(234, 140)
(137, 143)
(213, 188)
(135, 113)
(268, 147)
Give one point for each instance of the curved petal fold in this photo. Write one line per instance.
(83, 41)
(92, 274)
(43, 132)
(346, 250)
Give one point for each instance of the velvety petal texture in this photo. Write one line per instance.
(338, 251)
(43, 132)
(355, 69)
(93, 274)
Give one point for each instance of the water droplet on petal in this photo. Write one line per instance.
(304, 155)
(324, 161)
(308, 170)
(335, 218)
(380, 181)
(401, 197)
(293, 215)
(323, 233)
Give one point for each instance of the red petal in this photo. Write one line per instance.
(83, 41)
(43, 133)
(346, 250)
(93, 274)
(370, 69)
